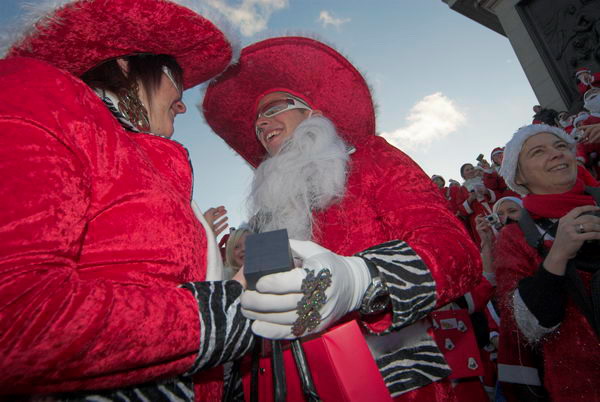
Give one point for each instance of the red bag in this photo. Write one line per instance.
(454, 334)
(341, 365)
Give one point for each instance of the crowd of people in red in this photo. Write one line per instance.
(495, 208)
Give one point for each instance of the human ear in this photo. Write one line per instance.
(123, 64)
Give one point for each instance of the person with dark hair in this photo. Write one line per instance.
(547, 265)
(359, 211)
(545, 116)
(103, 262)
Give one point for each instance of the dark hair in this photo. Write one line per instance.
(462, 168)
(145, 68)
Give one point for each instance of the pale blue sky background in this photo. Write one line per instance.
(446, 87)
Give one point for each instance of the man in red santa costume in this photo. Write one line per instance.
(103, 263)
(363, 212)
(586, 80)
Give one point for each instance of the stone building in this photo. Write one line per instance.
(551, 38)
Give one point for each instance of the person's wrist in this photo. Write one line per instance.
(555, 262)
(361, 278)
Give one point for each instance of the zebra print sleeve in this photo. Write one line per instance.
(225, 333)
(411, 286)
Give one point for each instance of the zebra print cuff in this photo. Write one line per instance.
(411, 286)
(225, 333)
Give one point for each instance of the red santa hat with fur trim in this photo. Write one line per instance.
(78, 35)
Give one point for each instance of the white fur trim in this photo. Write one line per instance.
(516, 200)
(467, 207)
(214, 264)
(513, 148)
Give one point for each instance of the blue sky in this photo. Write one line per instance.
(446, 87)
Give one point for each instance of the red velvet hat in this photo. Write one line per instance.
(301, 66)
(83, 33)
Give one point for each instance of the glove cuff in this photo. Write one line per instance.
(361, 280)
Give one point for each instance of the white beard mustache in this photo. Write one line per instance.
(307, 174)
(593, 105)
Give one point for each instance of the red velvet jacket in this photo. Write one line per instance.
(572, 352)
(97, 232)
(389, 197)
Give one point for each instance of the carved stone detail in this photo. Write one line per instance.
(567, 34)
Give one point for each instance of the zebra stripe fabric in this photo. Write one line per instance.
(175, 390)
(412, 292)
(407, 369)
(411, 286)
(225, 334)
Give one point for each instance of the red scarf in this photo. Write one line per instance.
(557, 205)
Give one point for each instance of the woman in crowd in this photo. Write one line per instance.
(546, 263)
(102, 260)
(235, 251)
(475, 199)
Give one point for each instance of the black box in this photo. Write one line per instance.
(267, 253)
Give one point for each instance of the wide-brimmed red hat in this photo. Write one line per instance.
(302, 66)
(81, 34)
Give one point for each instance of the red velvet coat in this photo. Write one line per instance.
(96, 234)
(389, 197)
(571, 353)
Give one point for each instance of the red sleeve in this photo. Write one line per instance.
(587, 177)
(494, 182)
(59, 332)
(513, 260)
(416, 213)
(479, 296)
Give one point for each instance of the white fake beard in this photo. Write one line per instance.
(307, 174)
(593, 105)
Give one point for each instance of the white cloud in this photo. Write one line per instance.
(326, 19)
(431, 119)
(250, 16)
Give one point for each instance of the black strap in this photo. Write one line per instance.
(254, 370)
(589, 305)
(531, 232)
(278, 368)
(308, 385)
(594, 192)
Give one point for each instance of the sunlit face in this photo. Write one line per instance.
(274, 131)
(497, 158)
(509, 210)
(239, 250)
(166, 103)
(546, 165)
(468, 172)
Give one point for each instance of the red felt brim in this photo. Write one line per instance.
(83, 34)
(305, 66)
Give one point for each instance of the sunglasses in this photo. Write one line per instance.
(278, 106)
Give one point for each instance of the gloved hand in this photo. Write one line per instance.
(274, 304)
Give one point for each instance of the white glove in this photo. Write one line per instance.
(274, 304)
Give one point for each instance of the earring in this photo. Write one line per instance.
(133, 109)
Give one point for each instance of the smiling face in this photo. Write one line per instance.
(509, 210)
(165, 104)
(547, 165)
(239, 250)
(468, 171)
(274, 131)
